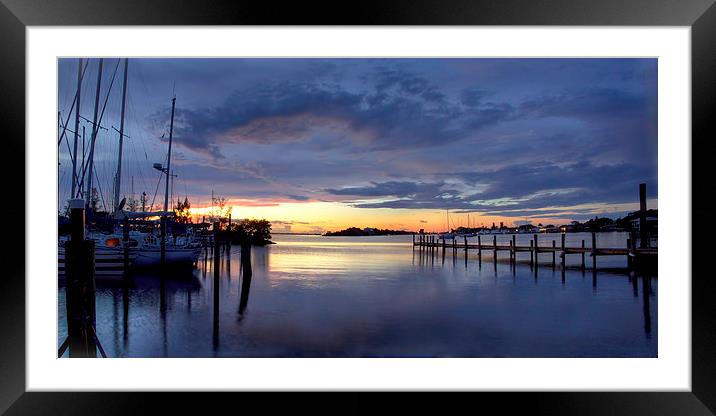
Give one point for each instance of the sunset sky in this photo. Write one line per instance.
(322, 144)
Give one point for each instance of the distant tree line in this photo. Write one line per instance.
(255, 232)
(357, 232)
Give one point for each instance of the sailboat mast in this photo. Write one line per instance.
(163, 241)
(169, 160)
(77, 129)
(118, 176)
(88, 196)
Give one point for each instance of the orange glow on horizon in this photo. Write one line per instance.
(319, 217)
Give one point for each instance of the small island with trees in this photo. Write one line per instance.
(357, 232)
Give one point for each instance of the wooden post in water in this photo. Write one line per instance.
(531, 253)
(80, 286)
(643, 236)
(228, 240)
(536, 250)
(246, 259)
(594, 250)
(465, 238)
(216, 286)
(216, 227)
(564, 254)
(125, 238)
(554, 254)
(494, 247)
(583, 267)
(247, 273)
(479, 248)
(514, 249)
(629, 253)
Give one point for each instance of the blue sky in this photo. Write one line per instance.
(517, 139)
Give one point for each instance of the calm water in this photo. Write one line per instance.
(314, 296)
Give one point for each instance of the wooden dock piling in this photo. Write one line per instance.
(479, 248)
(594, 250)
(554, 254)
(494, 247)
(583, 266)
(531, 253)
(215, 286)
(247, 273)
(564, 254)
(125, 240)
(80, 288)
(643, 236)
(514, 248)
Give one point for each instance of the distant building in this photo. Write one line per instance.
(652, 224)
(527, 228)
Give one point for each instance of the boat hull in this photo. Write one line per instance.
(174, 257)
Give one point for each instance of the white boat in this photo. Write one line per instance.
(174, 256)
(147, 249)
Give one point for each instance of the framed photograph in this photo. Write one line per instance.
(458, 198)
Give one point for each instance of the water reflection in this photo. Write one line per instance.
(337, 298)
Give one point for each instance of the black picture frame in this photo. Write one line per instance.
(15, 15)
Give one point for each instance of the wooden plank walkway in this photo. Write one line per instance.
(631, 251)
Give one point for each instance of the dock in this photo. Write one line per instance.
(631, 251)
(637, 250)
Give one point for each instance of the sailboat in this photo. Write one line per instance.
(447, 235)
(144, 248)
(151, 250)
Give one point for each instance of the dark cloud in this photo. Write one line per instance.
(511, 137)
(298, 197)
(589, 103)
(404, 110)
(392, 188)
(518, 190)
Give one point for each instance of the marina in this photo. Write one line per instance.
(325, 235)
